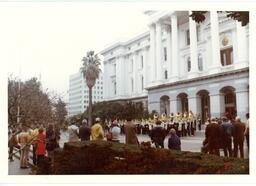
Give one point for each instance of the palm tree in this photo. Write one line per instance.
(91, 71)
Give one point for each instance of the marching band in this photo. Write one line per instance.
(185, 123)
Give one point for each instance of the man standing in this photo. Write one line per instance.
(213, 136)
(51, 143)
(238, 135)
(97, 132)
(246, 132)
(130, 132)
(115, 131)
(227, 130)
(73, 132)
(84, 131)
(158, 134)
(23, 139)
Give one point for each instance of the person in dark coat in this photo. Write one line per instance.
(130, 132)
(158, 134)
(174, 141)
(246, 132)
(227, 130)
(213, 137)
(84, 131)
(51, 140)
(238, 136)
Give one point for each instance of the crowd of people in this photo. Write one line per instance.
(221, 133)
(41, 141)
(227, 134)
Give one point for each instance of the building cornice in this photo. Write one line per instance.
(128, 99)
(198, 79)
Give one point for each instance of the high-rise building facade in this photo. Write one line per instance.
(79, 93)
(180, 65)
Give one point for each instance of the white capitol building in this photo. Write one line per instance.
(180, 65)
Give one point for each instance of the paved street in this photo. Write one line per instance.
(192, 143)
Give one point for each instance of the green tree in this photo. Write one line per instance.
(60, 112)
(90, 71)
(241, 16)
(35, 104)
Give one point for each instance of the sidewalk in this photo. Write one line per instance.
(14, 168)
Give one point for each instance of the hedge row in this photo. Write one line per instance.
(102, 157)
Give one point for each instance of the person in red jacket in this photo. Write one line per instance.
(40, 145)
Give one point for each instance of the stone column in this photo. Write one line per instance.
(144, 71)
(174, 65)
(242, 102)
(193, 103)
(106, 81)
(216, 62)
(152, 53)
(173, 106)
(217, 105)
(120, 72)
(193, 48)
(158, 51)
(169, 51)
(242, 47)
(134, 73)
(153, 103)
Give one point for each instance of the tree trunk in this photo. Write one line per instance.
(90, 107)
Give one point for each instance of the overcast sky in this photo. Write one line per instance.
(52, 40)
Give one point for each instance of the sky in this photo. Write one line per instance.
(51, 39)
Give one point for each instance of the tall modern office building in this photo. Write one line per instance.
(180, 65)
(79, 93)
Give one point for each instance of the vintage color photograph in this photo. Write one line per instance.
(101, 91)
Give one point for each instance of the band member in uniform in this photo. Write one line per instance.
(171, 121)
(184, 124)
(177, 124)
(199, 121)
(191, 123)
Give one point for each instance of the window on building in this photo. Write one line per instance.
(141, 61)
(142, 82)
(200, 62)
(165, 54)
(189, 64)
(165, 74)
(187, 37)
(226, 56)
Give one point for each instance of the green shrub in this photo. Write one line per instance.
(102, 157)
